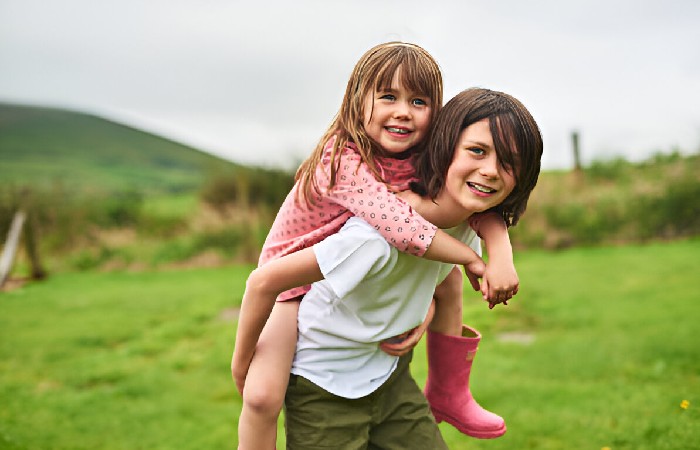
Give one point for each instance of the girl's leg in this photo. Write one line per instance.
(451, 350)
(267, 379)
(448, 305)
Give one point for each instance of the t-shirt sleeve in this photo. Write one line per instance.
(350, 256)
(475, 219)
(475, 245)
(358, 191)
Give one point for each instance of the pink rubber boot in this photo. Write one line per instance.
(447, 389)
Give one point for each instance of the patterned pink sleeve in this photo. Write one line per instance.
(364, 196)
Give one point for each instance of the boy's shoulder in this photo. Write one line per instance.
(356, 237)
(355, 252)
(358, 229)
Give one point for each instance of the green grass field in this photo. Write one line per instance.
(598, 350)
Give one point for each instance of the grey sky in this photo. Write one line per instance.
(259, 83)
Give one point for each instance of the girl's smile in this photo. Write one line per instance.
(396, 118)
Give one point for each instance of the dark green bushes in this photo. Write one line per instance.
(615, 202)
(673, 213)
(609, 202)
(261, 188)
(62, 217)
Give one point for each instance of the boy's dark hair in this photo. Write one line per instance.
(516, 137)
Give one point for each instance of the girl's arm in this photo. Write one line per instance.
(447, 249)
(358, 191)
(500, 282)
(262, 288)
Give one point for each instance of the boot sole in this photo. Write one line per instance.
(479, 434)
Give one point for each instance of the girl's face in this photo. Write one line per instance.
(475, 180)
(396, 118)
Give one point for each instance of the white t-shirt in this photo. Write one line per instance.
(371, 292)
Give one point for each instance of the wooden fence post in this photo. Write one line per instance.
(10, 250)
(31, 247)
(577, 153)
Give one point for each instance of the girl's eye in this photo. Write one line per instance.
(419, 102)
(387, 97)
(477, 151)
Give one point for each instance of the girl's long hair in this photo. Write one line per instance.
(375, 70)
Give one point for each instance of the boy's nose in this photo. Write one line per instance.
(489, 166)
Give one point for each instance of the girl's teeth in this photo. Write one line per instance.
(397, 130)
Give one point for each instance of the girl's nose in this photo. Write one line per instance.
(402, 110)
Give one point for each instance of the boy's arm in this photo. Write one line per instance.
(401, 225)
(445, 248)
(404, 343)
(448, 320)
(500, 282)
(262, 288)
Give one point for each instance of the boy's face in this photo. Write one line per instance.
(475, 180)
(396, 118)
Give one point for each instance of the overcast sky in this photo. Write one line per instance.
(258, 83)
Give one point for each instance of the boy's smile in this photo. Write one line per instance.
(476, 181)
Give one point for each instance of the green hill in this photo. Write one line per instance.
(46, 146)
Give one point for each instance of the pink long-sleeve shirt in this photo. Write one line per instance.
(356, 193)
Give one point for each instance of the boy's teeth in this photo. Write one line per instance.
(481, 188)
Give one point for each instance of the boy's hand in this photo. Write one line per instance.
(239, 371)
(404, 343)
(401, 344)
(500, 282)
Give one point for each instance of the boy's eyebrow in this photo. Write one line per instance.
(478, 144)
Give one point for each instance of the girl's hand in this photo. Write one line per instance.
(474, 271)
(404, 343)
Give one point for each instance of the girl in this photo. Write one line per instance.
(344, 391)
(392, 96)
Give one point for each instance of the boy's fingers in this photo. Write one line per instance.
(393, 349)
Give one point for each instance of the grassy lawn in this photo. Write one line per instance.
(598, 350)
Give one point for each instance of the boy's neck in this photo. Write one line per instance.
(442, 212)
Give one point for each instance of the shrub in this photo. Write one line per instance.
(254, 187)
(616, 169)
(674, 213)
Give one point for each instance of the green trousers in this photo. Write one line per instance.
(395, 416)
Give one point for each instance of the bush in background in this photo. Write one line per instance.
(614, 202)
(263, 188)
(609, 202)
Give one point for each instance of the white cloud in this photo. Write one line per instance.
(260, 82)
